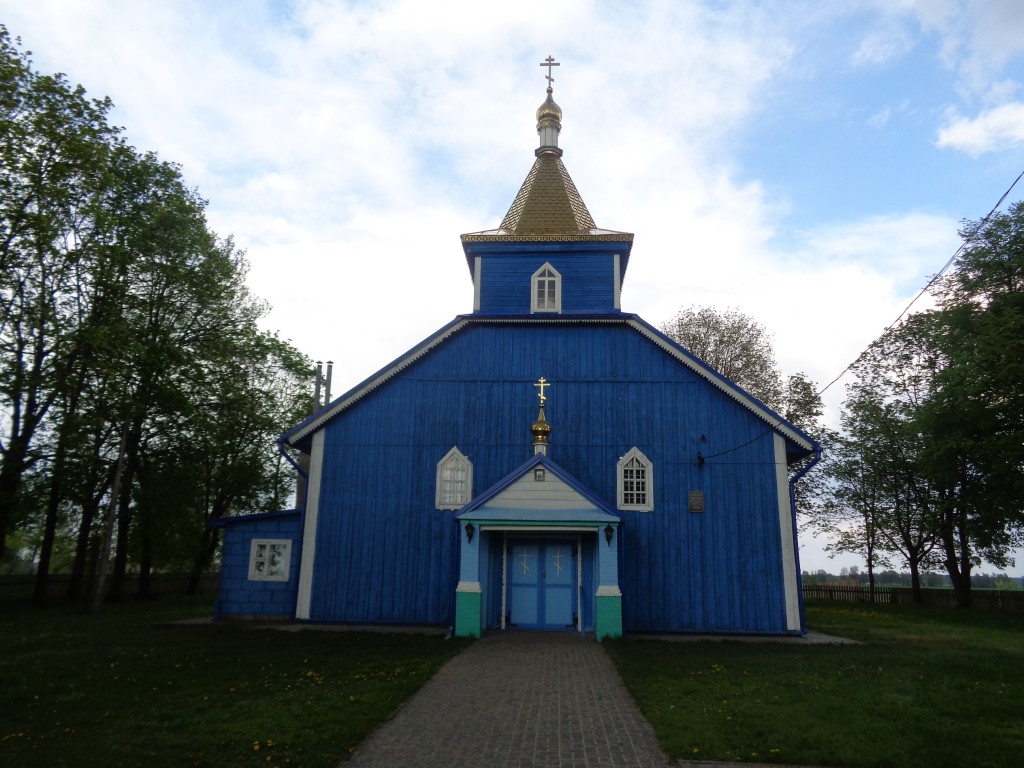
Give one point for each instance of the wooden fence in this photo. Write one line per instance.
(1007, 601)
(849, 594)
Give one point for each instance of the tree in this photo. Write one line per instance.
(53, 146)
(975, 418)
(732, 343)
(123, 318)
(740, 348)
(933, 427)
(850, 511)
(879, 504)
(262, 388)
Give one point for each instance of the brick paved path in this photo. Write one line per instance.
(518, 699)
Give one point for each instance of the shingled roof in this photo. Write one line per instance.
(548, 206)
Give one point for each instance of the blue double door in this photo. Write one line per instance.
(543, 583)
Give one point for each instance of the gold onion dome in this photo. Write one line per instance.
(549, 125)
(541, 429)
(548, 111)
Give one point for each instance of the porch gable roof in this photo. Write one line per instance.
(521, 498)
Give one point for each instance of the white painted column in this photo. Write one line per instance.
(608, 564)
(788, 537)
(618, 281)
(477, 269)
(316, 465)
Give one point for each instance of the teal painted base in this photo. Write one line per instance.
(468, 614)
(608, 621)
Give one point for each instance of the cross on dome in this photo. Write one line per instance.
(549, 62)
(541, 384)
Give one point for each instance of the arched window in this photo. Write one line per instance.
(454, 486)
(546, 287)
(635, 482)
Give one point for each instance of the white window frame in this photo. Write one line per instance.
(625, 484)
(270, 559)
(549, 303)
(444, 497)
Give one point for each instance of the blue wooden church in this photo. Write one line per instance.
(546, 462)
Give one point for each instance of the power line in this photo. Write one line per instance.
(967, 241)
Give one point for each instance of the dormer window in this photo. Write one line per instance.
(546, 288)
(454, 481)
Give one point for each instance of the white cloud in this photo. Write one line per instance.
(977, 38)
(880, 118)
(993, 130)
(994, 29)
(348, 144)
(882, 47)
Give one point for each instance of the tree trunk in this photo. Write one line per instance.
(49, 533)
(92, 565)
(954, 541)
(871, 577)
(56, 496)
(11, 470)
(93, 498)
(119, 577)
(108, 524)
(870, 562)
(207, 549)
(78, 567)
(916, 595)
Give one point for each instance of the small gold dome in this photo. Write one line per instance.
(541, 430)
(549, 111)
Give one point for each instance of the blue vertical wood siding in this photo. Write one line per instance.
(384, 554)
(241, 597)
(588, 277)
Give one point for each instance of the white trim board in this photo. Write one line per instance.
(316, 465)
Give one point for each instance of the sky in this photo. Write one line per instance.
(807, 163)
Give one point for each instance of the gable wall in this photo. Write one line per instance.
(551, 493)
(385, 554)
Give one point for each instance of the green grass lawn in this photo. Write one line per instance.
(926, 688)
(126, 689)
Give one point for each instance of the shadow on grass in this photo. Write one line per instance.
(127, 688)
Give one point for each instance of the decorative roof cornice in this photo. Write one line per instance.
(498, 235)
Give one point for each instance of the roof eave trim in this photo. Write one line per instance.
(398, 365)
